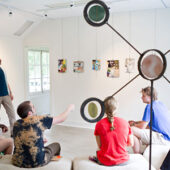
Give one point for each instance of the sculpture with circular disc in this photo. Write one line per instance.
(151, 64)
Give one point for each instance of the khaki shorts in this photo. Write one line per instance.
(157, 138)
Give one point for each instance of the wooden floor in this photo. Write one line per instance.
(74, 142)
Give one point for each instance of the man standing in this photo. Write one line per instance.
(6, 98)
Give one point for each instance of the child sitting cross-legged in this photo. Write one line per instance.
(113, 134)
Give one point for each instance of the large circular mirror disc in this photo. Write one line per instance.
(152, 64)
(96, 13)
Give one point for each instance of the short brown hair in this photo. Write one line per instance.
(23, 109)
(147, 90)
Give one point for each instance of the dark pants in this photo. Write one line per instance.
(122, 164)
(50, 151)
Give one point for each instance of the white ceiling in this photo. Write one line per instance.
(34, 10)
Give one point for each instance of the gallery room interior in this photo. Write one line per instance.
(53, 57)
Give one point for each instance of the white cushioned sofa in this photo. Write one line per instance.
(62, 164)
(159, 153)
(137, 162)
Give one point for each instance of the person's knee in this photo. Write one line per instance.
(133, 128)
(58, 146)
(8, 146)
(54, 148)
(136, 131)
(11, 142)
(7, 142)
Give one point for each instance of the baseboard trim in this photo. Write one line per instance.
(78, 124)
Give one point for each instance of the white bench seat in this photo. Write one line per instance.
(137, 162)
(62, 164)
(159, 153)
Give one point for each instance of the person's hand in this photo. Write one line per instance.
(131, 122)
(71, 107)
(4, 128)
(45, 140)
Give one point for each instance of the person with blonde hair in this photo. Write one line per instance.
(113, 134)
(160, 122)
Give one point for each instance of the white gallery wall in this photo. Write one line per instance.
(11, 53)
(73, 39)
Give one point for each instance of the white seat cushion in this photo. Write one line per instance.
(159, 153)
(137, 162)
(63, 163)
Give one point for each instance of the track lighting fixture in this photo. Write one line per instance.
(10, 13)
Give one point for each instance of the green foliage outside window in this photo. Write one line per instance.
(38, 66)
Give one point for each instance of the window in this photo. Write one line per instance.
(38, 71)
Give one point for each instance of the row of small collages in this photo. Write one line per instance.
(112, 66)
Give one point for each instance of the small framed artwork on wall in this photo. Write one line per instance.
(96, 65)
(113, 68)
(78, 66)
(130, 65)
(62, 65)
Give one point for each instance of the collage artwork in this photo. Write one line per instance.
(113, 69)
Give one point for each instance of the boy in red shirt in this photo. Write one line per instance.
(113, 134)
